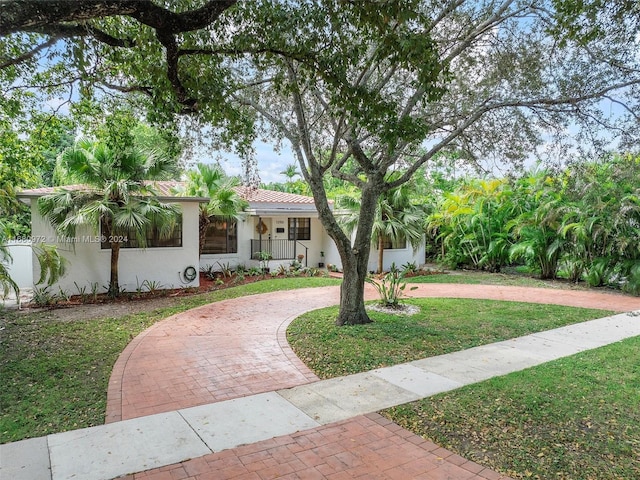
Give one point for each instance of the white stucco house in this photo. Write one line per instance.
(163, 262)
(284, 225)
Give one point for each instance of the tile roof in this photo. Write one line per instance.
(270, 196)
(166, 189)
(38, 192)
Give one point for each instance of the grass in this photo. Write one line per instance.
(442, 326)
(55, 373)
(574, 418)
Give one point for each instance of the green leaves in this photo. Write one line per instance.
(471, 222)
(581, 223)
(114, 194)
(390, 286)
(210, 181)
(52, 265)
(7, 284)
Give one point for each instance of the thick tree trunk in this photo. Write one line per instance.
(114, 286)
(355, 261)
(50, 17)
(352, 310)
(354, 258)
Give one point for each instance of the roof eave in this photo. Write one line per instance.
(273, 211)
(163, 198)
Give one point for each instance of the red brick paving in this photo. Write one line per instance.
(238, 347)
(221, 351)
(570, 298)
(366, 447)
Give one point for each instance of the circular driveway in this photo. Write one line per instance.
(238, 347)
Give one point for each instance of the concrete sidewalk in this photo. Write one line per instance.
(140, 444)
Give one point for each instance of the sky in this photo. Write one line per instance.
(270, 161)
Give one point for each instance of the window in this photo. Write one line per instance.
(394, 244)
(299, 229)
(221, 237)
(155, 236)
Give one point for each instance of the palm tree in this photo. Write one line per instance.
(52, 265)
(211, 182)
(537, 229)
(602, 225)
(116, 196)
(470, 223)
(290, 171)
(6, 282)
(397, 218)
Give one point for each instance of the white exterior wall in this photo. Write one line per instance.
(331, 255)
(243, 256)
(247, 231)
(88, 263)
(313, 246)
(398, 256)
(21, 269)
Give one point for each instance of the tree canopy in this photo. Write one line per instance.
(388, 90)
(384, 87)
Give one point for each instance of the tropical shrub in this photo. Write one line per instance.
(390, 286)
(602, 226)
(540, 201)
(471, 222)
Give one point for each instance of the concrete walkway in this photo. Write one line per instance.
(288, 424)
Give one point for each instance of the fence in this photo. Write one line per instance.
(278, 249)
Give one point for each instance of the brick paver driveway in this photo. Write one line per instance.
(237, 347)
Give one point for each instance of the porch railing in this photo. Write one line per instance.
(279, 249)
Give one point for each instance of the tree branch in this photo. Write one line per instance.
(487, 107)
(45, 16)
(262, 110)
(623, 105)
(128, 89)
(59, 31)
(28, 55)
(68, 18)
(303, 127)
(172, 57)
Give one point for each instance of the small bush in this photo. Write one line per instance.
(225, 269)
(209, 271)
(43, 297)
(391, 286)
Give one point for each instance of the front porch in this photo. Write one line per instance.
(279, 249)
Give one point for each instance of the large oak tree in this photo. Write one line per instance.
(390, 88)
(385, 86)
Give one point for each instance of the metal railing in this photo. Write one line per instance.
(278, 249)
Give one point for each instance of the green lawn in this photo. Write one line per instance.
(576, 418)
(55, 372)
(442, 326)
